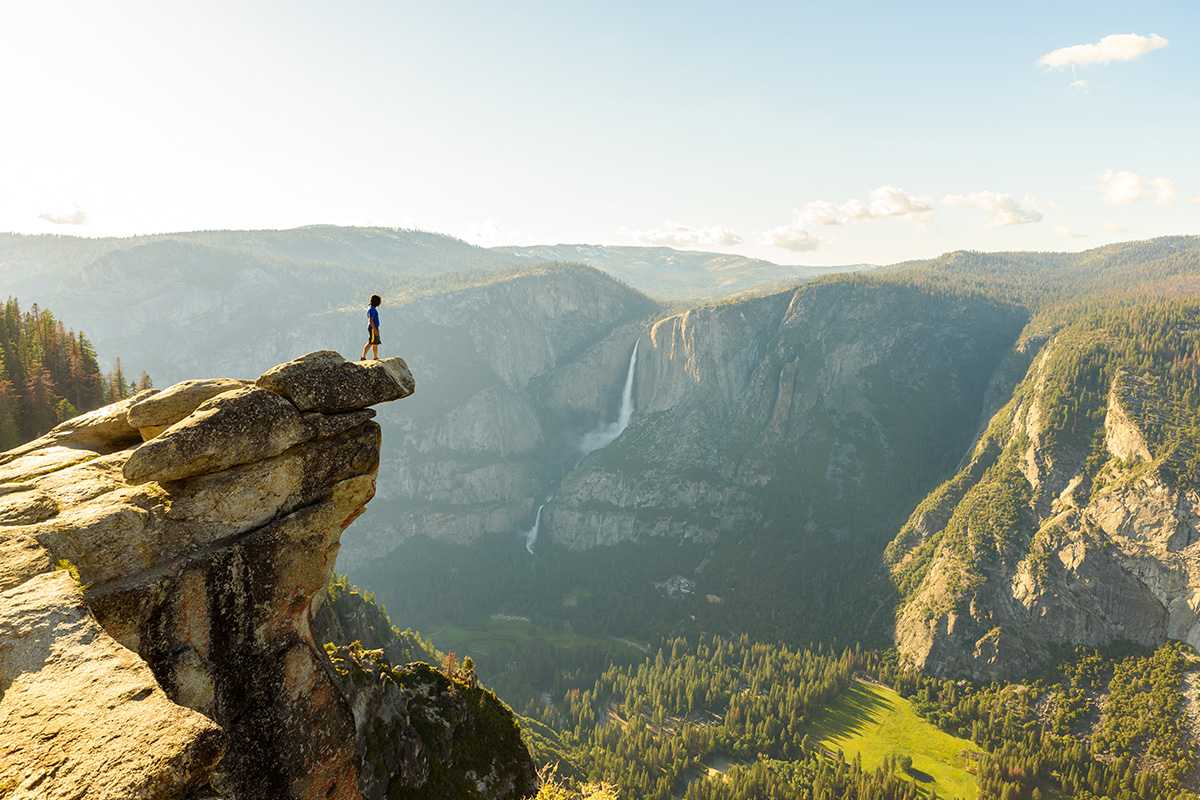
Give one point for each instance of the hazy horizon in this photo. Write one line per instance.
(793, 133)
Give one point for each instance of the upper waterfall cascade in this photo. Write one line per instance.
(594, 440)
(606, 434)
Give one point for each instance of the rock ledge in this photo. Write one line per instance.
(203, 523)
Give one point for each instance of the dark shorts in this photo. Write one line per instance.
(373, 335)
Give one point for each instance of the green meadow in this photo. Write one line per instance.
(875, 722)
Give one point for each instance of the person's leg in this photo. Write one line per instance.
(366, 347)
(375, 352)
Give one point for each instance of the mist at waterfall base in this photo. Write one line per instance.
(607, 434)
(594, 440)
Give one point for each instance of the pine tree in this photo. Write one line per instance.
(48, 374)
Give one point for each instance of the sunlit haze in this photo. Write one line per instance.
(805, 133)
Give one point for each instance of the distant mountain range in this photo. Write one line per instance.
(779, 437)
(172, 304)
(678, 275)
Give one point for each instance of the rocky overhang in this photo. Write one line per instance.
(160, 560)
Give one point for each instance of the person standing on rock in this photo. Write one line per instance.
(372, 328)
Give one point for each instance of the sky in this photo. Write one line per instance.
(798, 132)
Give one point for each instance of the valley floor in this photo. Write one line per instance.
(874, 722)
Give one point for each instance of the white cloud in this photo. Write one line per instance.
(1165, 193)
(676, 235)
(1115, 228)
(1196, 199)
(792, 237)
(886, 201)
(75, 216)
(1002, 209)
(1030, 200)
(1122, 188)
(1069, 233)
(1079, 85)
(1117, 47)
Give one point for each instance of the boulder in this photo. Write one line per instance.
(80, 715)
(237, 427)
(324, 381)
(108, 426)
(104, 430)
(152, 415)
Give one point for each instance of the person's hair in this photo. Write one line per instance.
(376, 299)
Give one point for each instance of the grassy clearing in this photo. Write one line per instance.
(482, 637)
(875, 722)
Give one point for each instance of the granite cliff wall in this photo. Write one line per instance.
(830, 408)
(156, 596)
(1043, 540)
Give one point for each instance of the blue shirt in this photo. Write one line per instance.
(373, 316)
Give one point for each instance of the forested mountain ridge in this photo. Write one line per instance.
(681, 275)
(1072, 520)
(345, 261)
(1075, 519)
(1163, 267)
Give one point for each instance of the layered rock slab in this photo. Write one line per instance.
(154, 414)
(82, 716)
(209, 562)
(233, 428)
(324, 381)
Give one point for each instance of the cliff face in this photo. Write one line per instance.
(473, 453)
(420, 732)
(425, 734)
(1046, 539)
(202, 553)
(826, 408)
(82, 715)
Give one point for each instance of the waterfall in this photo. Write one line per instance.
(605, 434)
(532, 533)
(592, 441)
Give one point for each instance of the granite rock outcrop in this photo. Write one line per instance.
(85, 716)
(1043, 540)
(199, 556)
(420, 729)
